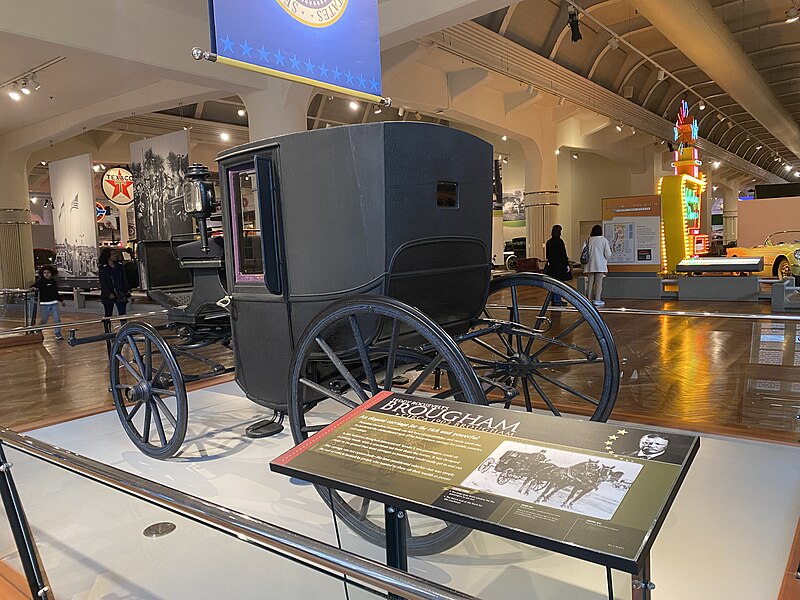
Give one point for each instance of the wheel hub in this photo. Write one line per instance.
(140, 391)
(519, 365)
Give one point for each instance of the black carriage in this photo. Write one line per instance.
(357, 259)
(515, 465)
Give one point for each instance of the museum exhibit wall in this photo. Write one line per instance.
(759, 218)
(583, 183)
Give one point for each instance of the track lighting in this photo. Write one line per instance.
(530, 88)
(561, 100)
(661, 75)
(34, 83)
(702, 105)
(401, 112)
(792, 14)
(729, 124)
(619, 127)
(14, 94)
(720, 116)
(418, 116)
(23, 87)
(376, 110)
(574, 25)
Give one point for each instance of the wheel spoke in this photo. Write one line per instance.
(146, 428)
(162, 392)
(313, 428)
(362, 352)
(137, 356)
(342, 369)
(134, 410)
(492, 349)
(160, 371)
(567, 388)
(388, 376)
(159, 425)
(515, 316)
(329, 393)
(425, 374)
(527, 393)
(148, 357)
(363, 510)
(129, 367)
(547, 400)
(166, 411)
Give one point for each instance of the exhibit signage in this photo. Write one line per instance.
(118, 186)
(632, 225)
(591, 490)
(333, 44)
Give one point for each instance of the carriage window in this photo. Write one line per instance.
(447, 194)
(247, 226)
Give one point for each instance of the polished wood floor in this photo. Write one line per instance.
(735, 376)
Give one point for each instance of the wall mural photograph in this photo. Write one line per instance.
(158, 166)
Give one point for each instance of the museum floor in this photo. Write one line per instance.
(734, 376)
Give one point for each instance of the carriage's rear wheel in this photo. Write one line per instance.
(148, 390)
(337, 365)
(562, 358)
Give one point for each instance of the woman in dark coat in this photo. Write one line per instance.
(114, 287)
(557, 261)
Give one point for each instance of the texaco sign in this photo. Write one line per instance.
(118, 186)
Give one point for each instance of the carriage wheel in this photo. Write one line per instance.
(489, 463)
(148, 390)
(563, 358)
(336, 367)
(504, 477)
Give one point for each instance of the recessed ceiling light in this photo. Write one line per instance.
(558, 151)
(225, 136)
(504, 138)
(241, 112)
(716, 164)
(787, 167)
(353, 105)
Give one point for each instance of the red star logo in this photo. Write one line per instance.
(121, 187)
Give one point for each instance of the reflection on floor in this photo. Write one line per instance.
(727, 535)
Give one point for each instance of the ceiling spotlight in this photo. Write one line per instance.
(777, 158)
(574, 26)
(401, 111)
(716, 187)
(720, 116)
(14, 94)
(224, 136)
(613, 43)
(377, 110)
(575, 155)
(759, 147)
(23, 87)
(353, 105)
(661, 75)
(633, 129)
(558, 151)
(530, 88)
(34, 83)
(102, 167)
(418, 116)
(787, 167)
(43, 163)
(504, 138)
(241, 112)
(729, 124)
(505, 160)
(702, 105)
(792, 15)
(716, 164)
(96, 168)
(34, 199)
(619, 127)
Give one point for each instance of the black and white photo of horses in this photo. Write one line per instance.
(158, 166)
(571, 481)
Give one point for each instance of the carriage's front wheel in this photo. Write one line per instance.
(148, 390)
(349, 353)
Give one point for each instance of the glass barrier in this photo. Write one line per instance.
(97, 541)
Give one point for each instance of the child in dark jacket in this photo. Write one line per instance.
(49, 298)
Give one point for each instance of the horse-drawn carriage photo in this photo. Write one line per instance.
(353, 260)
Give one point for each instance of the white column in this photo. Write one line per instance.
(277, 110)
(16, 243)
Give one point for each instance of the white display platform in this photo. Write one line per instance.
(727, 536)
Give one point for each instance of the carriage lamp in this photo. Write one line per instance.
(198, 198)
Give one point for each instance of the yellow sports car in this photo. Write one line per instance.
(781, 252)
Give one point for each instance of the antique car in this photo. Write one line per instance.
(781, 252)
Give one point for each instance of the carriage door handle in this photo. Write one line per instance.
(224, 302)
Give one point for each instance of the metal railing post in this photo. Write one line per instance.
(26, 546)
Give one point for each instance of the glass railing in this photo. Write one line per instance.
(95, 531)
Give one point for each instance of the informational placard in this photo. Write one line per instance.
(334, 44)
(632, 225)
(74, 220)
(590, 490)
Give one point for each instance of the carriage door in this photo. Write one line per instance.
(258, 312)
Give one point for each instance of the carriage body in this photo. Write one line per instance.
(389, 209)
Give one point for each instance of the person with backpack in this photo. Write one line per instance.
(597, 251)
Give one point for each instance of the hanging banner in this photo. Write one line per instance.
(158, 165)
(333, 44)
(74, 220)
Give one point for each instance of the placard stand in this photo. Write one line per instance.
(396, 527)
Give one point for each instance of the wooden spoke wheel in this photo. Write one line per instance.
(558, 357)
(349, 353)
(148, 390)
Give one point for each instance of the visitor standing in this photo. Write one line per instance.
(114, 288)
(557, 261)
(597, 266)
(49, 298)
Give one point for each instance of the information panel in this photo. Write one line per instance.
(590, 490)
(331, 43)
(632, 226)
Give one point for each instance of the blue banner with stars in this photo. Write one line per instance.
(335, 43)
